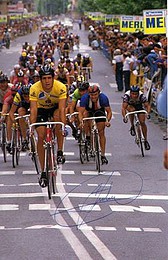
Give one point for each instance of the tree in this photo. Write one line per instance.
(127, 7)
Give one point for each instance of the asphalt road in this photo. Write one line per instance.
(120, 213)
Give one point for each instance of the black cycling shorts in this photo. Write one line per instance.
(99, 112)
(44, 115)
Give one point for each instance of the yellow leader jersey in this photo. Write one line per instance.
(47, 100)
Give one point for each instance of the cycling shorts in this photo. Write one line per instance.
(99, 112)
(44, 115)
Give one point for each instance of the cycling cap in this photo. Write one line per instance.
(24, 54)
(46, 70)
(20, 73)
(83, 85)
(26, 88)
(36, 74)
(134, 88)
(86, 55)
(62, 57)
(17, 66)
(93, 89)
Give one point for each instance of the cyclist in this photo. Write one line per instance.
(21, 104)
(48, 100)
(134, 100)
(87, 61)
(62, 74)
(4, 87)
(75, 103)
(95, 103)
(7, 103)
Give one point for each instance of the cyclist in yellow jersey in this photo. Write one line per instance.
(48, 100)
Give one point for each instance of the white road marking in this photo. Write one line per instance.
(115, 173)
(84, 207)
(105, 228)
(7, 172)
(73, 184)
(152, 229)
(134, 229)
(113, 85)
(9, 207)
(72, 162)
(39, 206)
(84, 195)
(70, 138)
(149, 209)
(69, 153)
(66, 172)
(29, 172)
(94, 240)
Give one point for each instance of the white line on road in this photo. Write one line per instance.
(94, 240)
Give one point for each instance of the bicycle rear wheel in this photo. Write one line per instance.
(141, 145)
(33, 153)
(3, 144)
(18, 145)
(97, 152)
(13, 148)
(82, 147)
(47, 169)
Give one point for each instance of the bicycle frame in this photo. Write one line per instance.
(50, 163)
(139, 138)
(16, 141)
(3, 136)
(95, 150)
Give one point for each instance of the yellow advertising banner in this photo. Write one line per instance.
(131, 24)
(15, 16)
(97, 16)
(111, 19)
(154, 21)
(3, 18)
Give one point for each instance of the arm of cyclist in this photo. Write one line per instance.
(62, 106)
(12, 112)
(108, 115)
(148, 109)
(33, 111)
(124, 111)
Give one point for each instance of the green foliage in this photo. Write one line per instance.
(127, 7)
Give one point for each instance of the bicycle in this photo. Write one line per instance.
(3, 135)
(86, 72)
(139, 137)
(74, 124)
(50, 162)
(16, 140)
(94, 150)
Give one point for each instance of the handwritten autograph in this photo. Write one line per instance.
(100, 195)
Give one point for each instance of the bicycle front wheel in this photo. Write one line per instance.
(97, 152)
(33, 153)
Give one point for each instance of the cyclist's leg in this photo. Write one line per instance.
(102, 138)
(60, 138)
(144, 130)
(131, 118)
(41, 132)
(22, 112)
